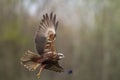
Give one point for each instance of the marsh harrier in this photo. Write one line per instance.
(47, 57)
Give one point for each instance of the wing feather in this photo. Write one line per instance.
(55, 67)
(47, 27)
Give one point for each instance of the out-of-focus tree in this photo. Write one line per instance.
(88, 35)
(14, 39)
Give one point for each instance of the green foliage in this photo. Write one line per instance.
(92, 53)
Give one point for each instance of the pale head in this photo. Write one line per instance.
(60, 56)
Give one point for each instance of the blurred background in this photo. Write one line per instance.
(88, 34)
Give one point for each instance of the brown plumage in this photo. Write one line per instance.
(47, 57)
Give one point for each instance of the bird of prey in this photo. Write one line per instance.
(47, 57)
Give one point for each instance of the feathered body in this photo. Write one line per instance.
(47, 57)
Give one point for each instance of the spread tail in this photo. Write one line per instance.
(26, 60)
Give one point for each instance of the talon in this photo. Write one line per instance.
(38, 75)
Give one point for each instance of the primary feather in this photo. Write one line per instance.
(46, 34)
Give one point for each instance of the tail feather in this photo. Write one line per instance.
(26, 61)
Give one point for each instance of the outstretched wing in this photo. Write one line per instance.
(45, 35)
(54, 67)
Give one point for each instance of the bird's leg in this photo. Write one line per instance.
(35, 67)
(41, 68)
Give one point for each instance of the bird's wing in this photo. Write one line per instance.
(55, 67)
(46, 34)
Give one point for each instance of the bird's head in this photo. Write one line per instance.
(60, 56)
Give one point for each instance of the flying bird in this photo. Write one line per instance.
(46, 57)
